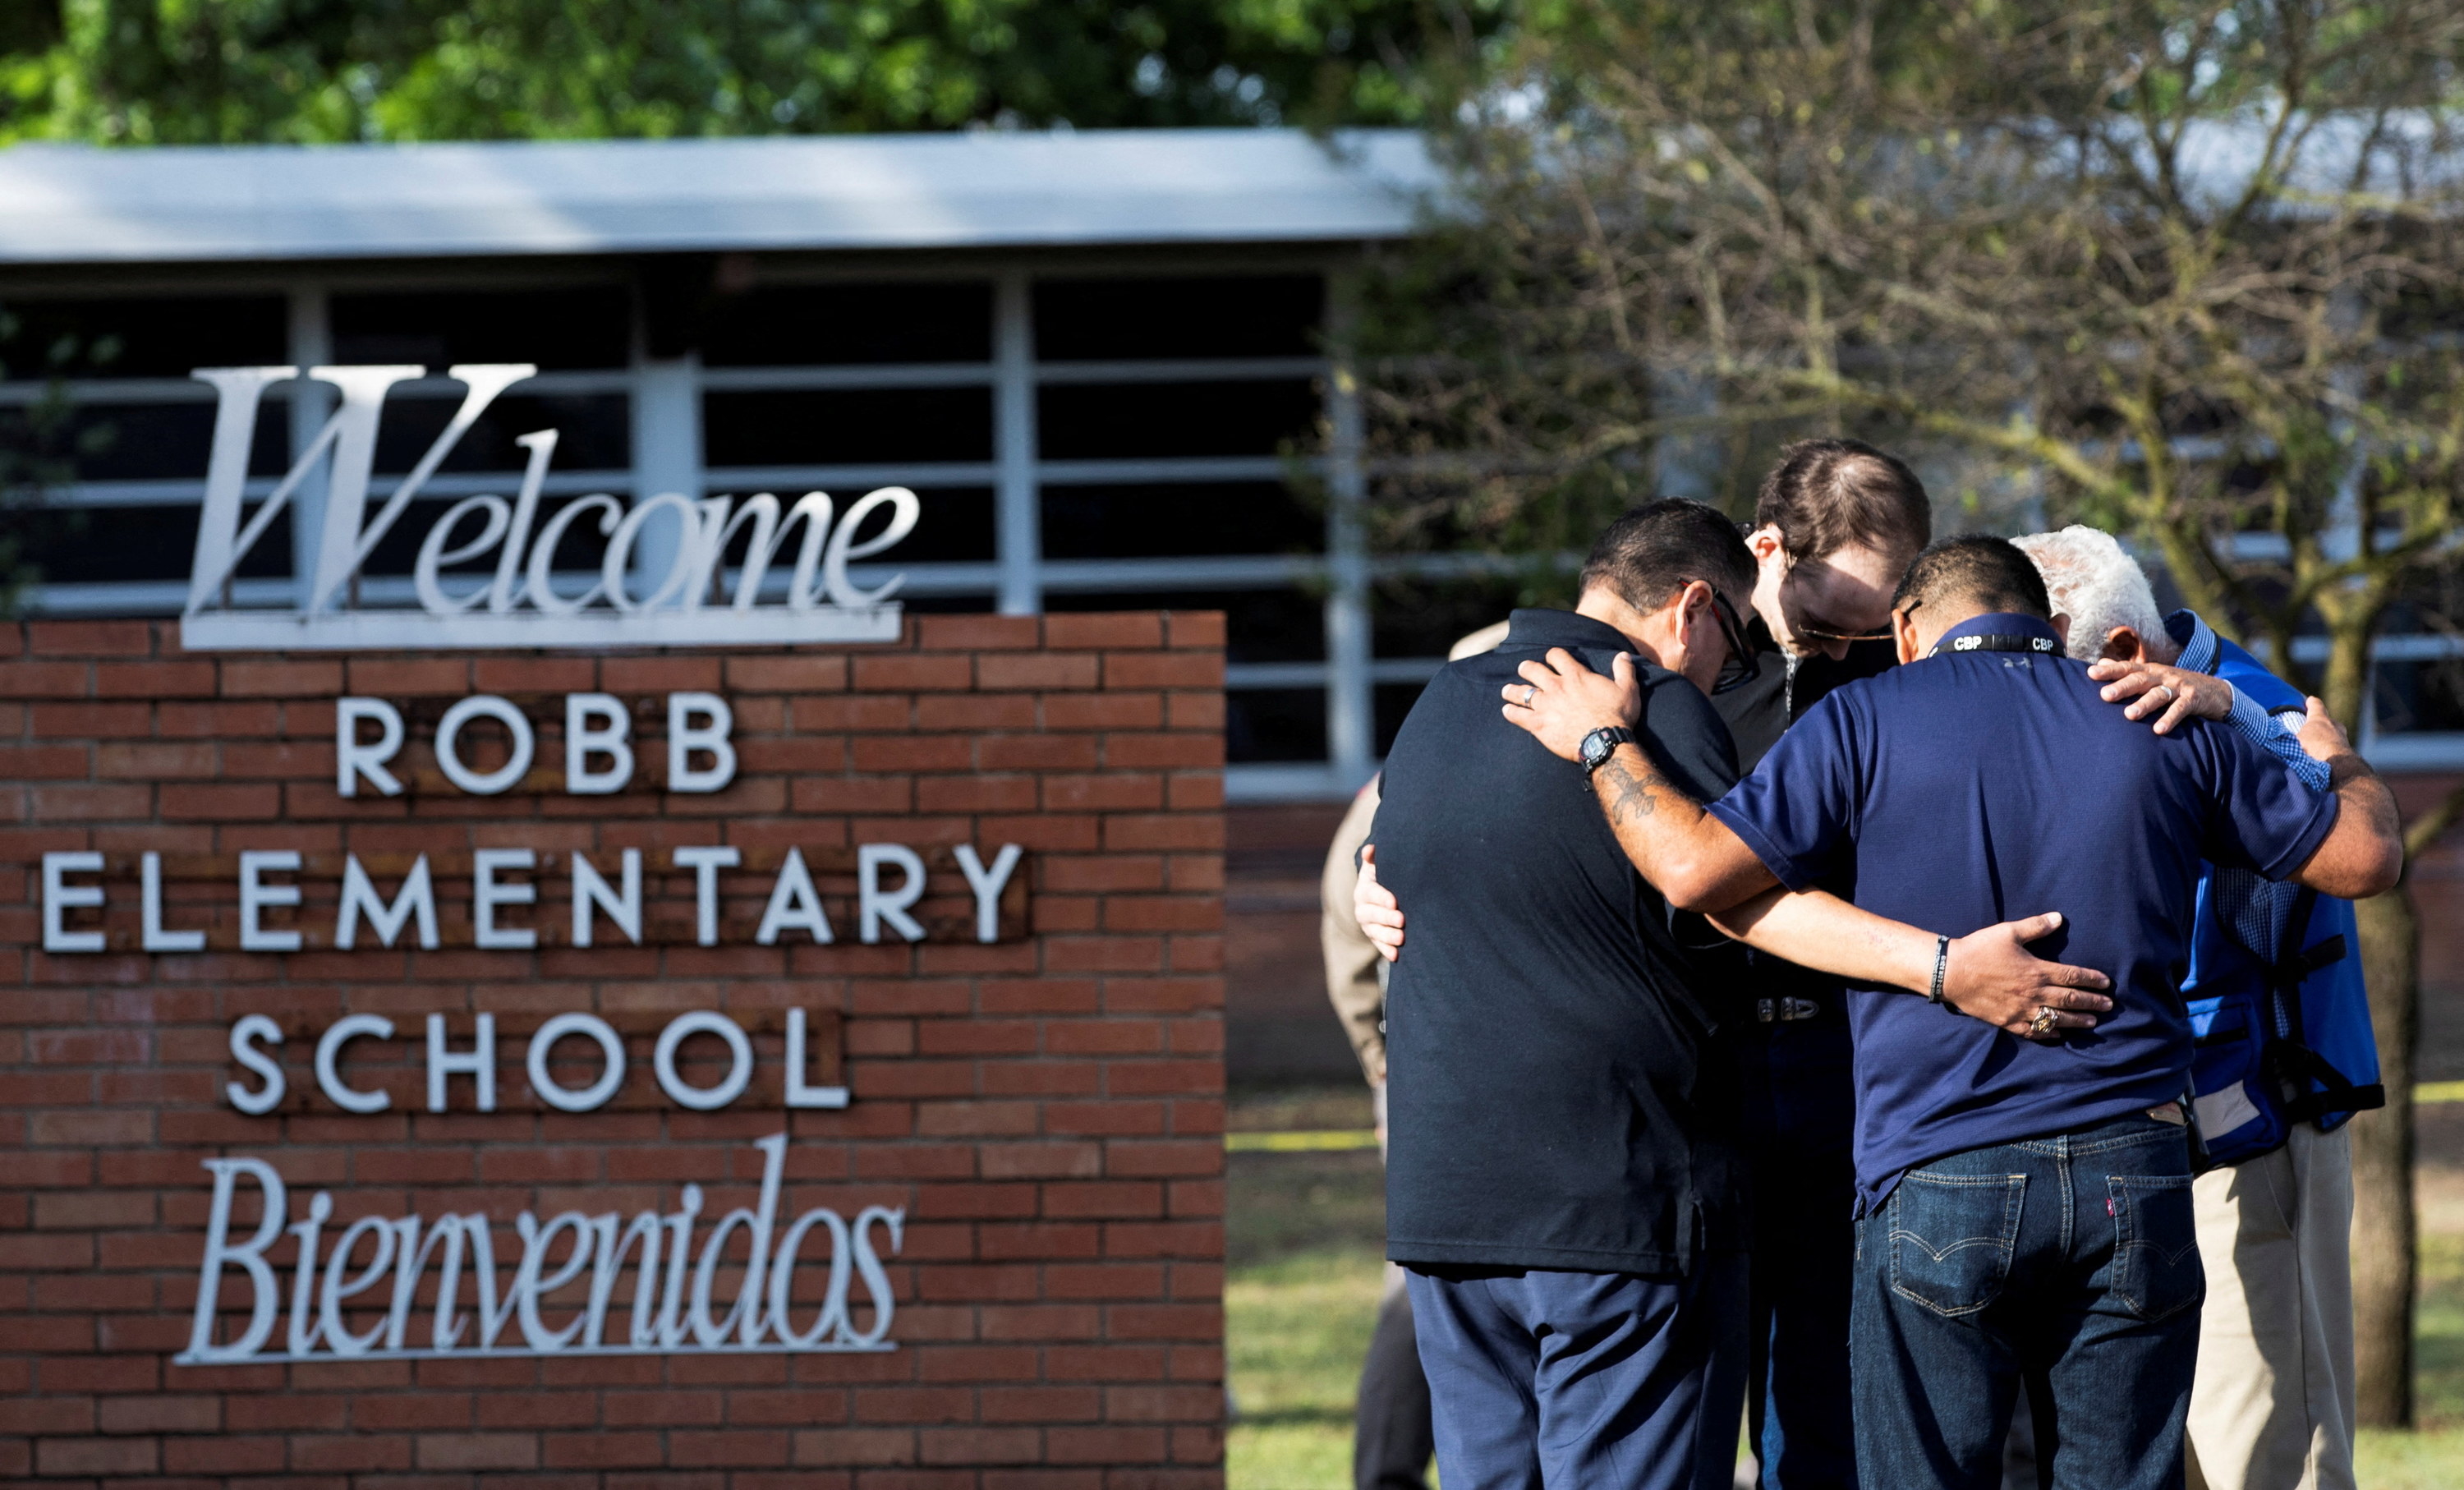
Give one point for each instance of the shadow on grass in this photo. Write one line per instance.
(1298, 1418)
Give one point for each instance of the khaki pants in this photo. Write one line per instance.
(2272, 1407)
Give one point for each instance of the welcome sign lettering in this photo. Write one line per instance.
(589, 1062)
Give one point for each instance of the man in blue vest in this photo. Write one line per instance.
(2286, 1057)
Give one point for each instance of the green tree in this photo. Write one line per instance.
(2187, 269)
(39, 441)
(300, 71)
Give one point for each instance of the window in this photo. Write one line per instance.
(558, 329)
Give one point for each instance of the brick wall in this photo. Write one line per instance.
(1045, 1111)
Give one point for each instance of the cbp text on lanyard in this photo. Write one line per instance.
(1989, 642)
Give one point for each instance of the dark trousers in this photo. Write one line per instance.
(1804, 1264)
(2071, 1260)
(1799, 1108)
(1392, 1441)
(1573, 1381)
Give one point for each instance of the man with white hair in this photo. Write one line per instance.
(2285, 1057)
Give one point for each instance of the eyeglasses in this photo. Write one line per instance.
(1744, 664)
(1826, 634)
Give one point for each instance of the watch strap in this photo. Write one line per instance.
(1601, 744)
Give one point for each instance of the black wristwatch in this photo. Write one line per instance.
(1600, 744)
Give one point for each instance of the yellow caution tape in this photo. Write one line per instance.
(1342, 1139)
(1320, 1141)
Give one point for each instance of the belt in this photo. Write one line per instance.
(2167, 1112)
(1784, 1011)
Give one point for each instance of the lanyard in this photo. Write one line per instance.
(1989, 642)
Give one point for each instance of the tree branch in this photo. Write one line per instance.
(2426, 829)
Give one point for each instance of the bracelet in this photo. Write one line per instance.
(1941, 967)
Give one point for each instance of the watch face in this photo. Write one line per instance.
(1598, 748)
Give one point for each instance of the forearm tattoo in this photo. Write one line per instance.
(1629, 796)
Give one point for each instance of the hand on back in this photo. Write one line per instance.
(1375, 906)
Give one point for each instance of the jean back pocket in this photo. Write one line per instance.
(1952, 1236)
(2156, 1270)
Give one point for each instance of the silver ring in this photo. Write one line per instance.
(2165, 689)
(1530, 692)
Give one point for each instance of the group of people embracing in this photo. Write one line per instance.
(1884, 985)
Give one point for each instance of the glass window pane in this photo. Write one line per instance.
(1421, 618)
(1149, 521)
(591, 326)
(2419, 695)
(594, 433)
(140, 337)
(804, 428)
(827, 325)
(1249, 315)
(1274, 725)
(145, 442)
(1260, 625)
(1089, 421)
(73, 545)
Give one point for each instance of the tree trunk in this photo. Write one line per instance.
(2382, 1209)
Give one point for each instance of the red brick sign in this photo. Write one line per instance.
(737, 1067)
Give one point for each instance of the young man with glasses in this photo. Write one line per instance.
(1836, 523)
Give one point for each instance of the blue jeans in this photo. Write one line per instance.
(2072, 1261)
(1573, 1381)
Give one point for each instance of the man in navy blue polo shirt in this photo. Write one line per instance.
(2024, 1205)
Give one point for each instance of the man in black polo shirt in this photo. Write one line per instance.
(1563, 1179)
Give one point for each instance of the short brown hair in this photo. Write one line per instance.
(1826, 495)
(1979, 569)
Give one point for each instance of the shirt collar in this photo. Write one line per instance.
(1999, 622)
(1546, 628)
(2200, 651)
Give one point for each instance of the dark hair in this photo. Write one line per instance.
(1826, 495)
(1659, 548)
(1980, 570)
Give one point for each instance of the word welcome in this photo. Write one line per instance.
(670, 1310)
(794, 904)
(652, 589)
(253, 1035)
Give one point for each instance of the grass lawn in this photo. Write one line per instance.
(1303, 1241)
(1305, 1237)
(2433, 1458)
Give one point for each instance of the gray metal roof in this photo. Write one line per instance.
(72, 204)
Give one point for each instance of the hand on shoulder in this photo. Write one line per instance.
(2168, 695)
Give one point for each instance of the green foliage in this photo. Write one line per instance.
(2181, 266)
(304, 71)
(38, 445)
